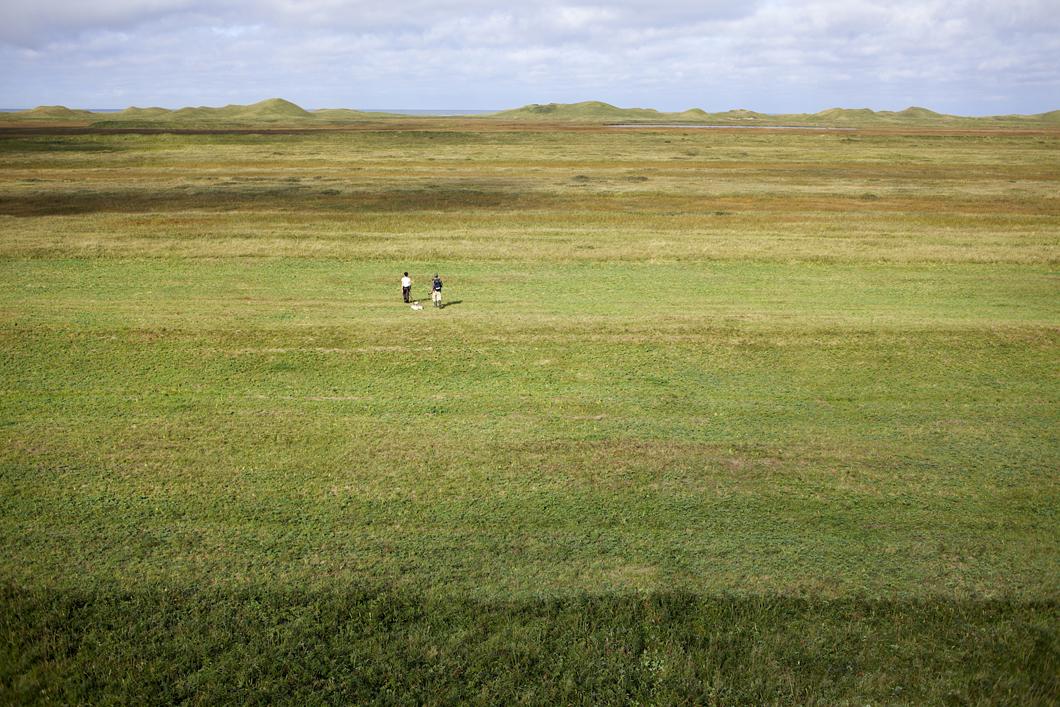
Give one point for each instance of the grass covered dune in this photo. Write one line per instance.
(276, 113)
(710, 417)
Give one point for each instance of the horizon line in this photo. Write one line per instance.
(525, 105)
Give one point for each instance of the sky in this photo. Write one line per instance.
(967, 57)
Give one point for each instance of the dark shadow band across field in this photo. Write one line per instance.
(235, 199)
(465, 198)
(171, 644)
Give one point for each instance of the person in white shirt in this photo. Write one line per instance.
(406, 287)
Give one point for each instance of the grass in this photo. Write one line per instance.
(709, 417)
(345, 645)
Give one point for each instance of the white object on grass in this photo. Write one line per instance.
(416, 306)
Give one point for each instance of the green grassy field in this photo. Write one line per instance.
(710, 417)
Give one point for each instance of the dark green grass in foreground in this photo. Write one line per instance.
(347, 645)
(798, 453)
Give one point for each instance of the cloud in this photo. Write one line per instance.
(769, 54)
(28, 23)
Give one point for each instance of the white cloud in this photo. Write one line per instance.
(769, 54)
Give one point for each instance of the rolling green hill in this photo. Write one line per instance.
(52, 113)
(143, 113)
(740, 114)
(273, 110)
(599, 112)
(586, 110)
(845, 114)
(918, 112)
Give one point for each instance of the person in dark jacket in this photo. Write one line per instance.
(436, 291)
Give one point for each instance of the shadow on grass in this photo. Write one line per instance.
(175, 644)
(451, 304)
(237, 196)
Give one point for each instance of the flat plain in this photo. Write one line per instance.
(711, 416)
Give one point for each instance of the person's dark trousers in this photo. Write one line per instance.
(405, 293)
